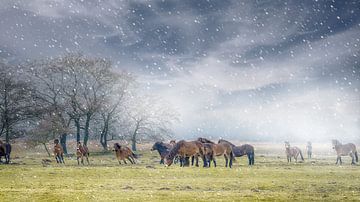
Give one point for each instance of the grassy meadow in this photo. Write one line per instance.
(271, 179)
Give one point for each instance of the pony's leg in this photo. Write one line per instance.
(162, 161)
(337, 160)
(340, 160)
(82, 160)
(128, 158)
(77, 158)
(352, 159)
(87, 159)
(57, 159)
(62, 158)
(226, 160)
(214, 160)
(197, 161)
(124, 161)
(192, 160)
(249, 159)
(119, 162)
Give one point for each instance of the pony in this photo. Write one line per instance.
(309, 149)
(5, 150)
(81, 152)
(185, 149)
(58, 152)
(163, 149)
(239, 151)
(220, 149)
(123, 152)
(344, 150)
(292, 152)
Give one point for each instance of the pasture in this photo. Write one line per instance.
(271, 178)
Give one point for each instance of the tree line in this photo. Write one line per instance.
(78, 95)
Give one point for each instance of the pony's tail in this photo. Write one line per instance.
(356, 157)
(302, 158)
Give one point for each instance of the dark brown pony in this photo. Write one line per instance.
(245, 149)
(123, 152)
(81, 152)
(163, 149)
(185, 149)
(58, 152)
(5, 150)
(220, 149)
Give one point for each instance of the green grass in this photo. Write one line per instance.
(104, 180)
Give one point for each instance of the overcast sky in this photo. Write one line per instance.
(250, 70)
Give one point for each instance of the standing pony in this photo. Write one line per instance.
(239, 151)
(81, 152)
(123, 152)
(220, 149)
(185, 149)
(344, 150)
(163, 150)
(292, 152)
(5, 150)
(58, 152)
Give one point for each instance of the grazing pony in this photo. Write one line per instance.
(5, 150)
(239, 151)
(58, 152)
(220, 149)
(81, 152)
(123, 152)
(163, 149)
(344, 150)
(185, 149)
(292, 152)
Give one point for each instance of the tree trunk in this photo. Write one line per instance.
(46, 149)
(63, 142)
(87, 126)
(133, 143)
(77, 125)
(103, 137)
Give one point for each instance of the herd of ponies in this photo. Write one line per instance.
(182, 151)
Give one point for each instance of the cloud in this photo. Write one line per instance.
(259, 70)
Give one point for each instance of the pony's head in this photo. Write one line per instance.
(335, 143)
(287, 144)
(117, 146)
(155, 146)
(56, 141)
(172, 142)
(168, 160)
(79, 144)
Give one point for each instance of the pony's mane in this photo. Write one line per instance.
(161, 147)
(222, 140)
(204, 140)
(174, 151)
(117, 146)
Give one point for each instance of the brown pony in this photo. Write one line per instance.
(81, 152)
(344, 150)
(185, 149)
(292, 152)
(220, 149)
(123, 152)
(239, 151)
(58, 152)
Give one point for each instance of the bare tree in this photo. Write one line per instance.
(114, 104)
(148, 119)
(47, 129)
(46, 76)
(16, 101)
